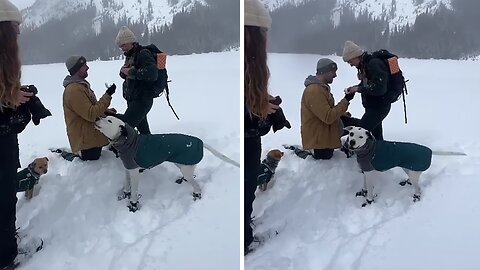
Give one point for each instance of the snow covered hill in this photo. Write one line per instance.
(398, 12)
(76, 211)
(37, 12)
(321, 223)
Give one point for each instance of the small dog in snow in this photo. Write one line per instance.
(380, 156)
(139, 152)
(28, 177)
(268, 166)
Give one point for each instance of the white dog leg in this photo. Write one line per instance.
(368, 186)
(187, 172)
(134, 178)
(414, 177)
(125, 191)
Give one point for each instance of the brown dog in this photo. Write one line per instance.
(28, 177)
(267, 169)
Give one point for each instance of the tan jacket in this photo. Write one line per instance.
(81, 108)
(321, 125)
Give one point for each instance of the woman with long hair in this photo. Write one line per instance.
(257, 106)
(13, 119)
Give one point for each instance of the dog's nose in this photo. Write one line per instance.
(352, 142)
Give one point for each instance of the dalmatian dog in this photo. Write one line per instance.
(381, 156)
(139, 152)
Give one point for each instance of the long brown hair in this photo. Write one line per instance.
(10, 67)
(256, 73)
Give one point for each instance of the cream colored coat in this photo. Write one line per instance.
(81, 108)
(321, 125)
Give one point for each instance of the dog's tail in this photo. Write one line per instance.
(220, 155)
(448, 153)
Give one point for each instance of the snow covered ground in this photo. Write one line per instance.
(76, 211)
(313, 206)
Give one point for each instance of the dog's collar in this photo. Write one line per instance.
(32, 172)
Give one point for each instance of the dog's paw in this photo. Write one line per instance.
(368, 202)
(180, 180)
(404, 182)
(196, 196)
(133, 206)
(126, 195)
(123, 195)
(361, 193)
(416, 197)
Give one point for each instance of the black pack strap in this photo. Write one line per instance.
(404, 103)
(168, 100)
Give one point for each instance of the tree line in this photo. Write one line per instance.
(443, 34)
(211, 28)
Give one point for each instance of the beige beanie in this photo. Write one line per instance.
(9, 12)
(256, 14)
(351, 50)
(125, 36)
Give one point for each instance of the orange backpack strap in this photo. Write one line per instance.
(161, 60)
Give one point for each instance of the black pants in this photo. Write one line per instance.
(322, 153)
(372, 120)
(9, 163)
(91, 154)
(136, 114)
(253, 152)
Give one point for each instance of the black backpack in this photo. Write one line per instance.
(162, 81)
(396, 81)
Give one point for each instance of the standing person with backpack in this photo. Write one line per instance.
(140, 73)
(374, 75)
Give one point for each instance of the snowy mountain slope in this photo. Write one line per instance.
(162, 11)
(77, 213)
(404, 11)
(313, 205)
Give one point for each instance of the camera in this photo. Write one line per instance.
(30, 89)
(35, 105)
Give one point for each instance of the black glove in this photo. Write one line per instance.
(111, 89)
(349, 97)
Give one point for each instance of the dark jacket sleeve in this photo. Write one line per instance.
(377, 78)
(14, 121)
(145, 67)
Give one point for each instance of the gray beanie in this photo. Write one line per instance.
(256, 14)
(351, 50)
(74, 63)
(9, 12)
(125, 36)
(325, 65)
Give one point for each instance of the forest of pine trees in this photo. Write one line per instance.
(444, 34)
(211, 28)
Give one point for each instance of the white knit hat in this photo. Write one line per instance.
(351, 50)
(256, 14)
(9, 12)
(125, 36)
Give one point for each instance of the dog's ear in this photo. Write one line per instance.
(123, 131)
(348, 128)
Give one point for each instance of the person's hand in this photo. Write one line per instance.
(22, 97)
(351, 89)
(110, 111)
(125, 70)
(347, 114)
(349, 96)
(111, 89)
